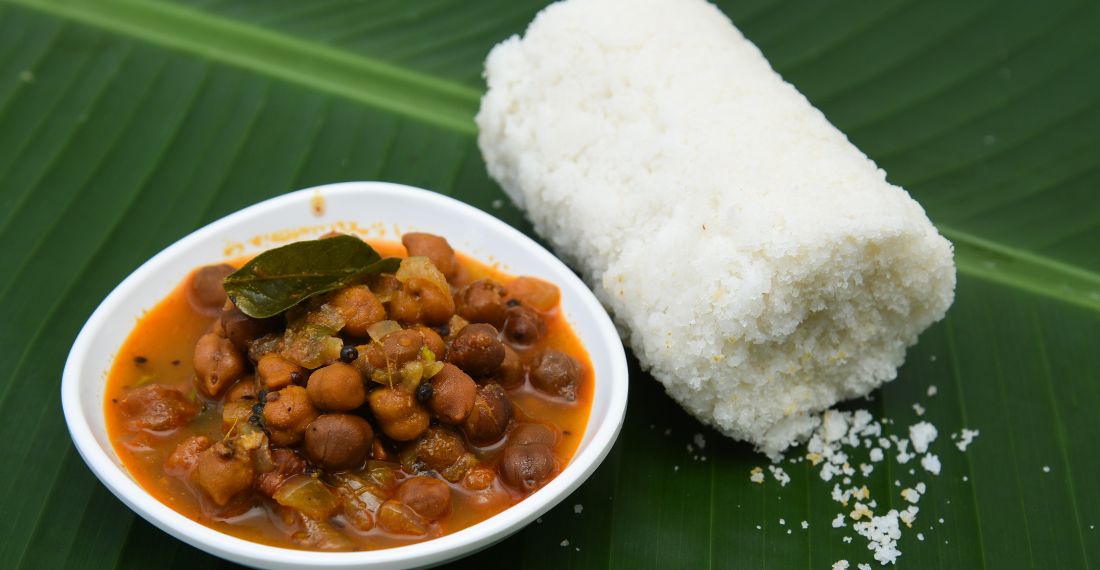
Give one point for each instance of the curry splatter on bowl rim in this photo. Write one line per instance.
(369, 209)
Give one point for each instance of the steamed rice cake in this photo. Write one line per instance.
(760, 266)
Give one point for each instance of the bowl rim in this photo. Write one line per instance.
(450, 546)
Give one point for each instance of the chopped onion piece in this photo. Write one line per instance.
(422, 268)
(381, 329)
(432, 368)
(308, 496)
(411, 375)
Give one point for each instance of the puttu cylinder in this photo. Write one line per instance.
(760, 266)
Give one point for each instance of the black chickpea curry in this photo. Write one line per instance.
(324, 397)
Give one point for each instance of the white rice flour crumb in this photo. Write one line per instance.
(922, 434)
(780, 475)
(910, 495)
(1046, 469)
(699, 440)
(931, 463)
(966, 437)
(932, 390)
(564, 543)
(578, 508)
(882, 534)
(836, 445)
(840, 565)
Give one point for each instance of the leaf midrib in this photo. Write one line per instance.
(450, 105)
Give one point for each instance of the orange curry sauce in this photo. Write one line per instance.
(160, 350)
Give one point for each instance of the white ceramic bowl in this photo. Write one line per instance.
(380, 210)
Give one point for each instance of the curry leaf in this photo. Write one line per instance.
(280, 278)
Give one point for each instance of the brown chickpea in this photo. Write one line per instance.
(245, 389)
(238, 403)
(384, 287)
(206, 294)
(286, 464)
(218, 364)
(378, 451)
(434, 248)
(542, 295)
(453, 394)
(439, 448)
(242, 329)
(433, 341)
(523, 326)
(400, 518)
(337, 387)
(398, 413)
(275, 372)
(490, 415)
(511, 372)
(338, 441)
(156, 407)
(370, 358)
(421, 301)
(223, 475)
(527, 467)
(556, 373)
(287, 413)
(481, 302)
(186, 455)
(359, 307)
(429, 497)
(402, 346)
(479, 478)
(477, 350)
(528, 433)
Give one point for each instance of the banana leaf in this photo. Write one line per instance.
(126, 124)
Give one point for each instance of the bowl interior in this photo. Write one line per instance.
(373, 210)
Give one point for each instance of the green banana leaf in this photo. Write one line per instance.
(125, 125)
